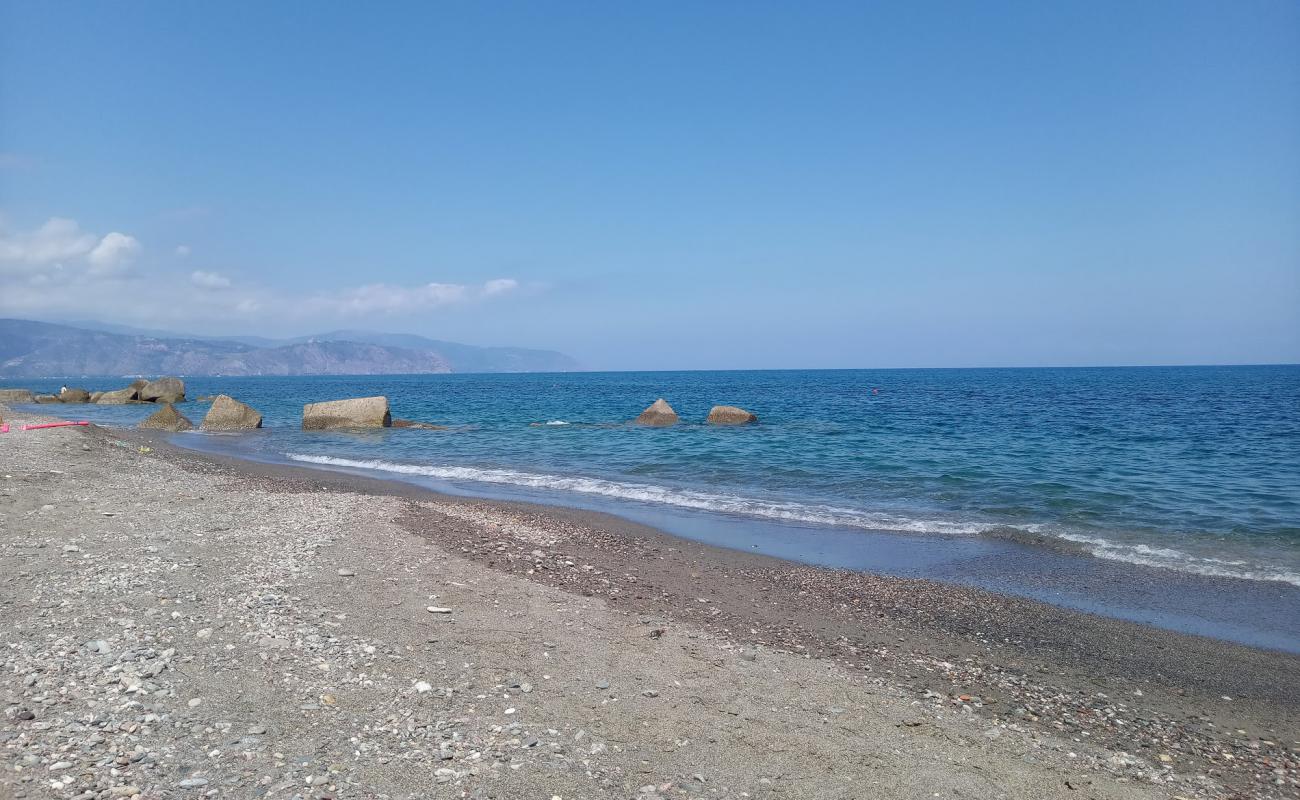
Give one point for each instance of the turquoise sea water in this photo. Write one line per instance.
(1194, 469)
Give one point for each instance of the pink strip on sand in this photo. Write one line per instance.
(52, 425)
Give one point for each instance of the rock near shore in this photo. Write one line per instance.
(16, 396)
(167, 418)
(228, 414)
(659, 415)
(358, 412)
(117, 397)
(730, 415)
(163, 390)
(67, 395)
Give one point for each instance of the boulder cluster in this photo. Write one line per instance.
(229, 414)
(162, 390)
(661, 415)
(225, 414)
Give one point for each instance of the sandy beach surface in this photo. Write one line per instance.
(179, 625)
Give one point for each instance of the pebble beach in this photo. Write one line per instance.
(182, 625)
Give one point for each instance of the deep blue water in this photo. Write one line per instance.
(1191, 468)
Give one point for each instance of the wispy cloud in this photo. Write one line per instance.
(209, 280)
(499, 286)
(387, 299)
(60, 270)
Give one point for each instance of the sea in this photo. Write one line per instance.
(1165, 495)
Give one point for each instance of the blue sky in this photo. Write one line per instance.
(667, 185)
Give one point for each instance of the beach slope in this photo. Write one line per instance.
(176, 626)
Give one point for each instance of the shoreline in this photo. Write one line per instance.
(1133, 706)
(907, 629)
(1257, 611)
(1040, 567)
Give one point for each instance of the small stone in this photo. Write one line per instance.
(193, 783)
(25, 714)
(602, 684)
(422, 687)
(438, 610)
(347, 573)
(59, 766)
(194, 702)
(650, 693)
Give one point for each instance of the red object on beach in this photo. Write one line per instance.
(4, 428)
(53, 425)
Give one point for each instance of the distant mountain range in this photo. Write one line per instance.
(40, 349)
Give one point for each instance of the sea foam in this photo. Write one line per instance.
(815, 514)
(682, 498)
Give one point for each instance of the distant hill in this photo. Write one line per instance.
(462, 357)
(34, 349)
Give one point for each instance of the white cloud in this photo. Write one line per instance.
(499, 286)
(59, 239)
(63, 271)
(385, 298)
(113, 251)
(209, 280)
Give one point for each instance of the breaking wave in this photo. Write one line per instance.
(682, 498)
(820, 514)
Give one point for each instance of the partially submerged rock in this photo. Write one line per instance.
(358, 412)
(730, 415)
(228, 414)
(67, 395)
(164, 390)
(167, 418)
(117, 397)
(659, 415)
(47, 399)
(16, 396)
(410, 423)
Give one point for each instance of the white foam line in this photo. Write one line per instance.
(1169, 558)
(682, 498)
(1141, 554)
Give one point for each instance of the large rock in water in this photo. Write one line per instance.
(228, 414)
(116, 398)
(659, 414)
(167, 418)
(730, 415)
(164, 390)
(46, 399)
(16, 396)
(67, 395)
(359, 412)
